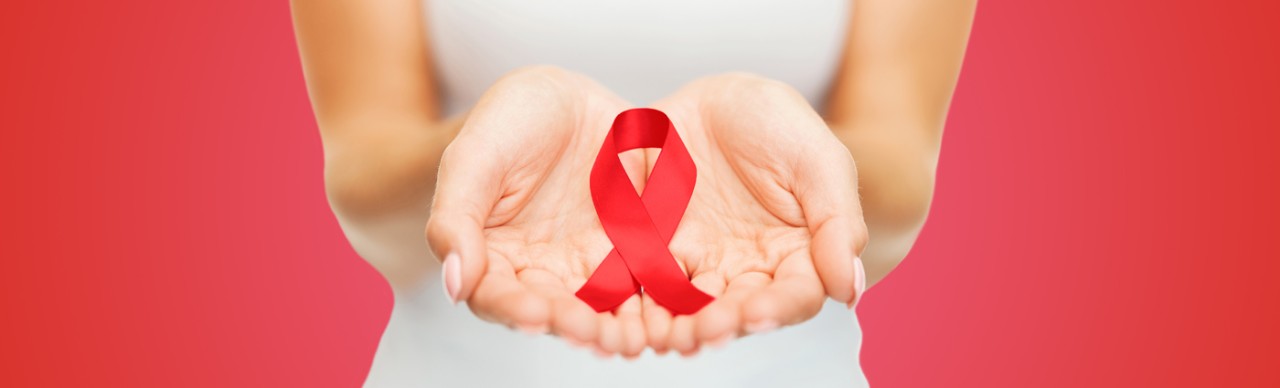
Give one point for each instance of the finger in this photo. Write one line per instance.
(825, 185)
(502, 298)
(683, 337)
(570, 318)
(657, 322)
(795, 295)
(721, 321)
(611, 340)
(632, 326)
(467, 188)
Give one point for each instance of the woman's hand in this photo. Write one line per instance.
(513, 218)
(774, 224)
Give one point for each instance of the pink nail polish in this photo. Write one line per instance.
(452, 274)
(859, 281)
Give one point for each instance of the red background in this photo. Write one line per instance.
(1104, 214)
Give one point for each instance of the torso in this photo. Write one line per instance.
(642, 51)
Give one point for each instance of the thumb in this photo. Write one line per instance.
(467, 188)
(826, 187)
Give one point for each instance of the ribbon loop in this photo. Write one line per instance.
(641, 226)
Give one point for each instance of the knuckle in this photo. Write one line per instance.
(456, 149)
(433, 229)
(756, 86)
(534, 76)
(543, 86)
(740, 77)
(861, 236)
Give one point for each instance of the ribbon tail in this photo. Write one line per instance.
(610, 285)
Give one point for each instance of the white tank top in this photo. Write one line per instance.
(642, 50)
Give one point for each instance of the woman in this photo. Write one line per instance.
(778, 222)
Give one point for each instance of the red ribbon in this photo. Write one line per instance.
(641, 226)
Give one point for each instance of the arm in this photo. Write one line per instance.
(369, 76)
(888, 106)
(506, 186)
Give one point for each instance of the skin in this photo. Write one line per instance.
(514, 204)
(774, 216)
(776, 220)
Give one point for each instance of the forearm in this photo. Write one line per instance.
(896, 174)
(889, 104)
(389, 168)
(369, 75)
(380, 187)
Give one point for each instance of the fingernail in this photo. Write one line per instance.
(720, 342)
(764, 326)
(859, 281)
(691, 353)
(452, 274)
(602, 354)
(532, 329)
(576, 343)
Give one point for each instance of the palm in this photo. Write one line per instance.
(543, 224)
(774, 207)
(739, 221)
(540, 236)
(746, 238)
(732, 225)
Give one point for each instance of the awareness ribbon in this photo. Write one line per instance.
(641, 226)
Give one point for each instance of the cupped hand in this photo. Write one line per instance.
(513, 219)
(774, 225)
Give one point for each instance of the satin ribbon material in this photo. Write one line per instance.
(641, 226)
